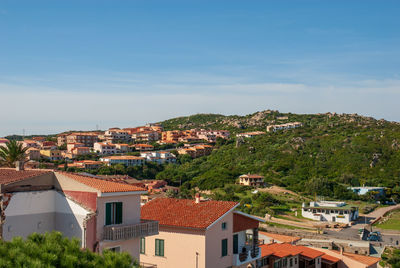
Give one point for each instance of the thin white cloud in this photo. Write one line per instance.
(42, 107)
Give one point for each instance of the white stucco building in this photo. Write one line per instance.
(330, 211)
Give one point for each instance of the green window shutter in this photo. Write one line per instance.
(235, 244)
(118, 216)
(142, 245)
(157, 248)
(161, 247)
(108, 213)
(224, 247)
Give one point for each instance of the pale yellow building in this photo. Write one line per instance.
(253, 180)
(51, 154)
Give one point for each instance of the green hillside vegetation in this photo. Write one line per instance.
(390, 258)
(324, 157)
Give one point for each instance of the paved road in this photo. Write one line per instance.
(351, 233)
(387, 237)
(381, 211)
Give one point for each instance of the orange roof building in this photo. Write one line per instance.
(289, 255)
(209, 233)
(101, 214)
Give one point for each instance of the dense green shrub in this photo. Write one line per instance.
(54, 250)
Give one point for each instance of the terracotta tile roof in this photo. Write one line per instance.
(285, 249)
(105, 144)
(144, 145)
(89, 162)
(9, 175)
(310, 253)
(103, 186)
(265, 252)
(185, 212)
(330, 259)
(3, 140)
(281, 238)
(367, 260)
(126, 179)
(27, 141)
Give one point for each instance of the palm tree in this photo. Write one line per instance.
(12, 152)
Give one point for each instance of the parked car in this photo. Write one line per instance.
(373, 238)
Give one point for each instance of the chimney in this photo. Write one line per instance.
(19, 165)
(197, 197)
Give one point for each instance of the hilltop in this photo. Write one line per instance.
(260, 120)
(325, 156)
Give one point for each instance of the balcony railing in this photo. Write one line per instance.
(247, 255)
(128, 231)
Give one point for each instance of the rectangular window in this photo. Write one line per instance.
(115, 249)
(142, 245)
(235, 244)
(224, 247)
(113, 213)
(159, 247)
(291, 262)
(224, 226)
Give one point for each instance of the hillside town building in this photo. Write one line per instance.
(196, 150)
(159, 157)
(116, 135)
(103, 148)
(84, 164)
(127, 160)
(143, 147)
(87, 138)
(61, 139)
(122, 148)
(32, 154)
(146, 136)
(30, 144)
(362, 190)
(292, 125)
(330, 211)
(250, 134)
(51, 154)
(253, 180)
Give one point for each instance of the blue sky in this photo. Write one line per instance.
(77, 64)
